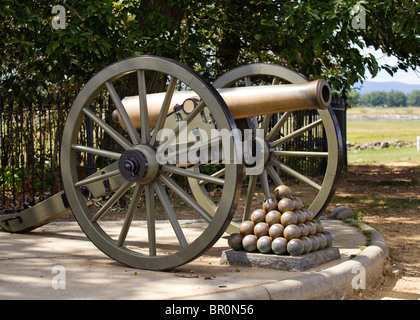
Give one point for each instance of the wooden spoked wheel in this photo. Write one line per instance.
(128, 180)
(278, 134)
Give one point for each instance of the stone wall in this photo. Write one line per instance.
(379, 145)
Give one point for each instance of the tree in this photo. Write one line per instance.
(375, 98)
(413, 98)
(37, 57)
(354, 98)
(318, 38)
(396, 99)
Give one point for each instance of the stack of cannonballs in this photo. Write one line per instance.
(282, 226)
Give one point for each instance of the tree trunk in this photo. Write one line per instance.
(174, 15)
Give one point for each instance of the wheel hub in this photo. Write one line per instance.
(260, 151)
(139, 164)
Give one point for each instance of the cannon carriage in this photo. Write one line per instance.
(192, 133)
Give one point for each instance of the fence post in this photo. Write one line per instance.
(339, 105)
(2, 159)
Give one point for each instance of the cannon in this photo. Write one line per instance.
(173, 146)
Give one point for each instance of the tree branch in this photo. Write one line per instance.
(70, 8)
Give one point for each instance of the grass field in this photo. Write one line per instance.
(366, 132)
(406, 111)
(362, 132)
(381, 156)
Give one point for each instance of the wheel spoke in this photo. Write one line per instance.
(182, 194)
(217, 174)
(265, 184)
(164, 110)
(150, 212)
(175, 133)
(296, 174)
(253, 120)
(138, 190)
(266, 123)
(123, 113)
(98, 152)
(194, 148)
(249, 197)
(108, 129)
(144, 115)
(97, 178)
(278, 125)
(115, 197)
(295, 133)
(192, 174)
(167, 206)
(274, 175)
(301, 154)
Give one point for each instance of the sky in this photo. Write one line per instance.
(410, 77)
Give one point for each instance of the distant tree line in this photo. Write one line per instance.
(385, 99)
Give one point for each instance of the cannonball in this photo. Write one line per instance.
(269, 204)
(301, 216)
(303, 229)
(261, 229)
(309, 215)
(330, 238)
(295, 247)
(282, 192)
(307, 244)
(298, 203)
(264, 244)
(286, 204)
(315, 242)
(322, 240)
(246, 227)
(258, 215)
(318, 225)
(289, 217)
(249, 243)
(279, 245)
(275, 231)
(235, 241)
(292, 231)
(272, 217)
(311, 227)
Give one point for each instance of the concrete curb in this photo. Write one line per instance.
(338, 282)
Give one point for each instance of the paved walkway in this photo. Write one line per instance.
(32, 264)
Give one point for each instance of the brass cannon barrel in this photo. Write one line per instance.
(243, 102)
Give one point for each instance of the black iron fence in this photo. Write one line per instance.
(29, 148)
(30, 142)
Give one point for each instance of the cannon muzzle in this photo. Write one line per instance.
(243, 102)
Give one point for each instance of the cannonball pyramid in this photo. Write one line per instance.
(283, 226)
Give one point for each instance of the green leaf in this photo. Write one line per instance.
(49, 50)
(108, 20)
